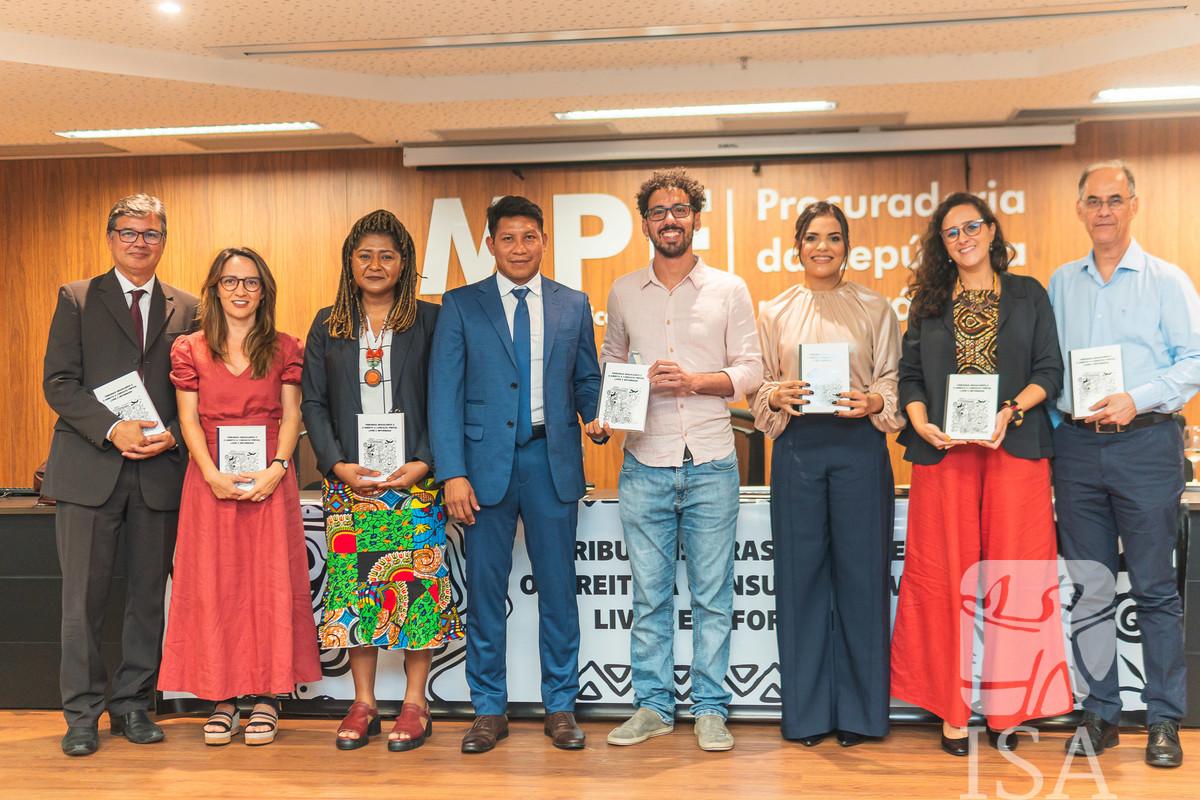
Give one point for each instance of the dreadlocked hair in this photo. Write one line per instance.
(403, 312)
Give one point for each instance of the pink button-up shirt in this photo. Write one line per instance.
(705, 324)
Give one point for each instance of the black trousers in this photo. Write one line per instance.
(88, 542)
(832, 512)
(1126, 486)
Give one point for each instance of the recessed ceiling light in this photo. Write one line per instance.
(170, 8)
(1147, 94)
(190, 130)
(700, 111)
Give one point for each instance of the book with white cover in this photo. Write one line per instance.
(381, 444)
(625, 396)
(241, 449)
(826, 369)
(1096, 372)
(971, 405)
(127, 397)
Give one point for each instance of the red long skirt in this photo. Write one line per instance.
(981, 536)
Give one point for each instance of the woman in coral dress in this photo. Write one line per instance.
(241, 617)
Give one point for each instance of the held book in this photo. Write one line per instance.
(624, 396)
(381, 444)
(971, 405)
(241, 448)
(826, 369)
(127, 397)
(1096, 372)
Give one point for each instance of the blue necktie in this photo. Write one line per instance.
(521, 348)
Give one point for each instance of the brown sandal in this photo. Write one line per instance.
(416, 722)
(361, 719)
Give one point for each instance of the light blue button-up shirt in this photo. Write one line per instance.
(1150, 308)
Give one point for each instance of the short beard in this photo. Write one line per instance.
(676, 250)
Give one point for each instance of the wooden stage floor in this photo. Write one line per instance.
(303, 763)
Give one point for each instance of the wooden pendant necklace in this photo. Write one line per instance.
(374, 374)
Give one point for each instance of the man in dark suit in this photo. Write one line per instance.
(115, 485)
(513, 369)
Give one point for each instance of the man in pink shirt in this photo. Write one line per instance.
(679, 479)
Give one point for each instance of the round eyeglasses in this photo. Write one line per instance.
(230, 284)
(971, 228)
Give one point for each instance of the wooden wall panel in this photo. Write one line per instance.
(295, 208)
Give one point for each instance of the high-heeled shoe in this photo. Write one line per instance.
(850, 738)
(1003, 740)
(959, 746)
(812, 741)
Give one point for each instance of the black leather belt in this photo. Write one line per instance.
(539, 432)
(1140, 421)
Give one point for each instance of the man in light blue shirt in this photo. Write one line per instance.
(1118, 472)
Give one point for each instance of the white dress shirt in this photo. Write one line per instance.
(128, 286)
(534, 301)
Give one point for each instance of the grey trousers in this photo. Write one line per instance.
(88, 541)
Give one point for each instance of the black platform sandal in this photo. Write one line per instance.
(229, 723)
(261, 719)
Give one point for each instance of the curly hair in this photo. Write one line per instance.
(674, 178)
(935, 273)
(403, 312)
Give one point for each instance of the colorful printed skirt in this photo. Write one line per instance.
(387, 583)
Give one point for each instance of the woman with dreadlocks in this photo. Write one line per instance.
(387, 585)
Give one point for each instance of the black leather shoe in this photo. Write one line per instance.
(956, 747)
(814, 740)
(1162, 745)
(137, 727)
(1003, 740)
(81, 740)
(1102, 735)
(850, 738)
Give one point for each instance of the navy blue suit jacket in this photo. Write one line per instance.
(473, 388)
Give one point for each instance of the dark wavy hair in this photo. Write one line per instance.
(935, 273)
(403, 312)
(674, 178)
(261, 342)
(821, 209)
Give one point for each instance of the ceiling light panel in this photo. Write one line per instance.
(190, 130)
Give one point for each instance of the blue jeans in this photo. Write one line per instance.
(660, 505)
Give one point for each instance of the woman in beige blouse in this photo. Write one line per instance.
(832, 498)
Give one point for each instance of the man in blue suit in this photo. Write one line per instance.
(513, 369)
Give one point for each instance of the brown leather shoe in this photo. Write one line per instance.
(485, 731)
(562, 730)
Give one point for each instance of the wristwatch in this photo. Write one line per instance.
(282, 461)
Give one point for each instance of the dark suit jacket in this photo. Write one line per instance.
(91, 342)
(332, 399)
(1026, 352)
(473, 387)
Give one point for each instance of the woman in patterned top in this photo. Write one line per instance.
(979, 510)
(387, 586)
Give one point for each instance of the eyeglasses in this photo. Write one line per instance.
(230, 284)
(1114, 203)
(969, 228)
(678, 211)
(129, 236)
